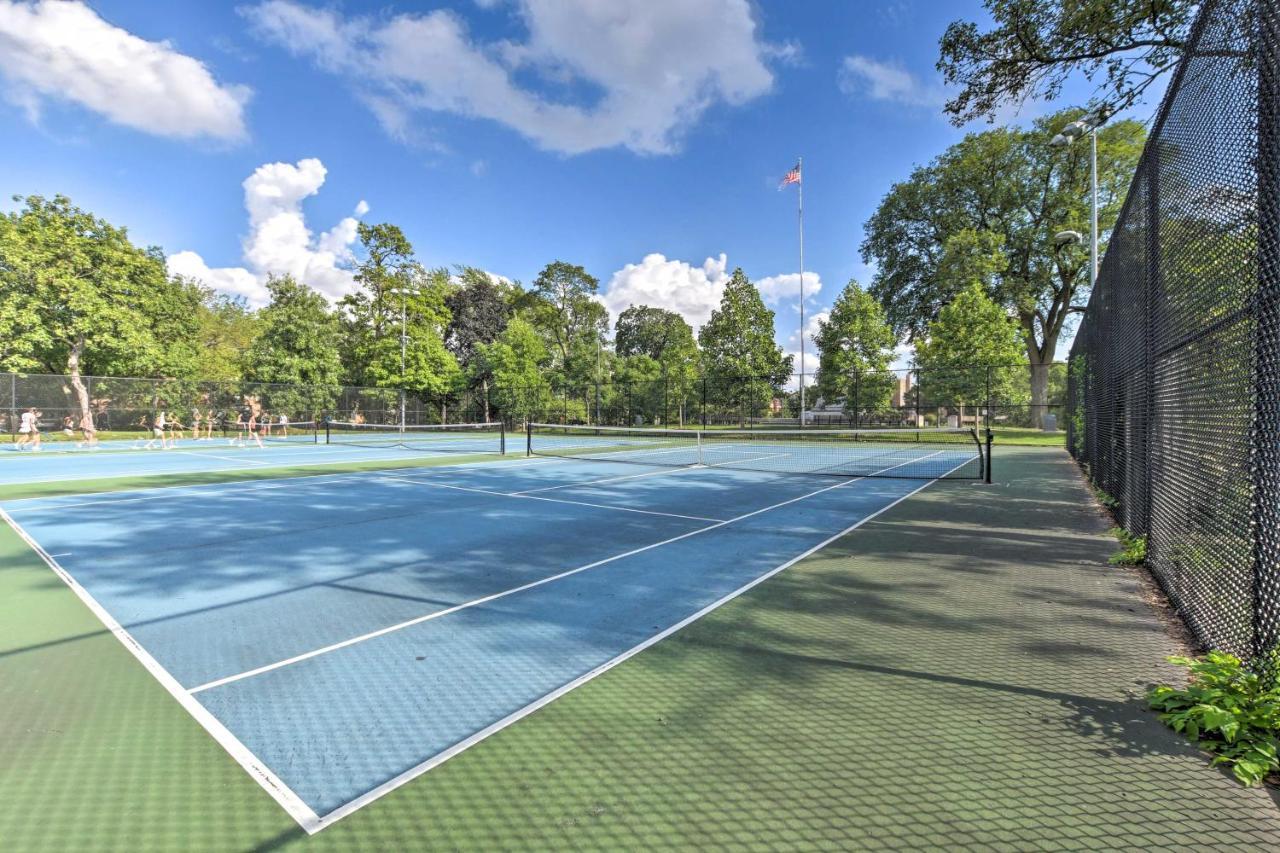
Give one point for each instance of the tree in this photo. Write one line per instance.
(395, 288)
(741, 362)
(76, 296)
(971, 332)
(517, 361)
(1035, 46)
(564, 309)
(664, 337)
(855, 346)
(227, 328)
(297, 345)
(479, 311)
(987, 210)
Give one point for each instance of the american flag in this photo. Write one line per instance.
(792, 177)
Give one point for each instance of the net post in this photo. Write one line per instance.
(502, 438)
(698, 438)
(986, 461)
(528, 438)
(328, 438)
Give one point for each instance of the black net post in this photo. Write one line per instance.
(986, 459)
(528, 438)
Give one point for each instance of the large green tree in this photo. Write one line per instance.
(397, 294)
(664, 338)
(972, 331)
(743, 365)
(1031, 47)
(297, 345)
(76, 297)
(855, 347)
(987, 209)
(517, 362)
(563, 308)
(479, 310)
(227, 329)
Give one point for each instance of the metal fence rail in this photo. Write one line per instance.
(1174, 377)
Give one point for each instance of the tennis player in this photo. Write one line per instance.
(89, 431)
(254, 428)
(29, 429)
(158, 425)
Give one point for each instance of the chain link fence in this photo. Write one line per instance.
(1174, 377)
(981, 396)
(123, 404)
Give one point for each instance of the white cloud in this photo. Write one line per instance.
(58, 50)
(692, 292)
(882, 81)
(811, 323)
(279, 240)
(776, 289)
(653, 67)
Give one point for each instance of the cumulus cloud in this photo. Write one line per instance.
(692, 292)
(279, 240)
(776, 289)
(60, 50)
(647, 69)
(862, 76)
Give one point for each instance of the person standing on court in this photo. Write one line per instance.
(29, 429)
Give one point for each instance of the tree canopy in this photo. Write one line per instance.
(986, 210)
(741, 361)
(969, 334)
(1032, 48)
(855, 347)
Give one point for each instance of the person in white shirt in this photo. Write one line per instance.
(29, 429)
(158, 426)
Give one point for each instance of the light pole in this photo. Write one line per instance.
(1088, 123)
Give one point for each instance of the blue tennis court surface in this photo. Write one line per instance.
(341, 634)
(62, 461)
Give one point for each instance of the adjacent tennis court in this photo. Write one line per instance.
(341, 634)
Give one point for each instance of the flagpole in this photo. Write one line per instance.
(800, 217)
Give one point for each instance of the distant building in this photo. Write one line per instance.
(775, 406)
(902, 394)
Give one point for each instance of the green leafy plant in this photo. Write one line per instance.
(1106, 500)
(1133, 549)
(1228, 709)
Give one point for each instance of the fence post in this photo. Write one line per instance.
(1265, 435)
(704, 402)
(857, 398)
(919, 382)
(989, 418)
(666, 421)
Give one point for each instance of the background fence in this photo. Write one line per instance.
(1174, 378)
(125, 404)
(978, 396)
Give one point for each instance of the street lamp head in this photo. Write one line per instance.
(1067, 238)
(1060, 141)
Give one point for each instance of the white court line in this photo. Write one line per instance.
(149, 494)
(206, 455)
(515, 716)
(279, 791)
(418, 620)
(551, 500)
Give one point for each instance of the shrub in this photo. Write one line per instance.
(1228, 709)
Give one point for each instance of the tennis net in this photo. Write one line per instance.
(909, 453)
(303, 432)
(435, 438)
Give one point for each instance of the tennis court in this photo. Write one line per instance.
(340, 444)
(341, 634)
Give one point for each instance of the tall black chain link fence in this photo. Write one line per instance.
(1174, 377)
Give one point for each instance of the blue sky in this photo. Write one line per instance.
(641, 140)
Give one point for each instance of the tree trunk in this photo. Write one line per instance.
(1039, 388)
(73, 372)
